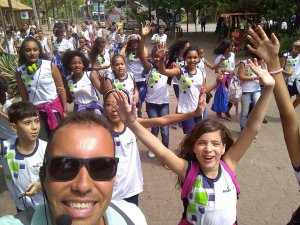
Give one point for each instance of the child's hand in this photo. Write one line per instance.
(162, 53)
(102, 76)
(126, 112)
(146, 29)
(201, 103)
(262, 46)
(32, 189)
(263, 75)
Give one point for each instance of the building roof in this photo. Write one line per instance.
(16, 5)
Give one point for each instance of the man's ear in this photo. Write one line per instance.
(13, 126)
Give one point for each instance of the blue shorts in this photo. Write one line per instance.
(293, 89)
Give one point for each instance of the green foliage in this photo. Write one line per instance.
(8, 65)
(286, 40)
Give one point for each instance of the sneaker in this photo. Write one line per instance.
(265, 121)
(228, 116)
(151, 154)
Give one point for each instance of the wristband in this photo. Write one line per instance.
(276, 71)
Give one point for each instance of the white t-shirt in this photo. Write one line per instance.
(125, 84)
(294, 64)
(45, 45)
(229, 62)
(189, 90)
(65, 45)
(85, 34)
(157, 90)
(103, 60)
(83, 91)
(250, 85)
(212, 201)
(160, 39)
(111, 37)
(73, 29)
(40, 85)
(99, 33)
(71, 43)
(135, 66)
(20, 170)
(129, 178)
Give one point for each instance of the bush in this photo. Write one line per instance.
(8, 66)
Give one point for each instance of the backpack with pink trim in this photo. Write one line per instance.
(190, 180)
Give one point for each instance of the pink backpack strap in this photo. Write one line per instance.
(190, 179)
(236, 184)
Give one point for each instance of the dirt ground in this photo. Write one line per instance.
(269, 191)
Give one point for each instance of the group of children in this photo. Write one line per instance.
(208, 155)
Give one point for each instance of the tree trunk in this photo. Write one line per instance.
(12, 15)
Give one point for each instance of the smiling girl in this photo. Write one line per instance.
(211, 151)
(190, 80)
(83, 86)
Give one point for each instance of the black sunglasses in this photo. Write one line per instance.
(65, 168)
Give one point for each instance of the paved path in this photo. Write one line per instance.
(269, 193)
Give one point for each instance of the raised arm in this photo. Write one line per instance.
(242, 73)
(213, 67)
(255, 119)
(162, 53)
(175, 118)
(59, 87)
(128, 116)
(268, 50)
(141, 52)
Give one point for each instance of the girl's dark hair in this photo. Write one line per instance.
(154, 50)
(58, 31)
(202, 127)
(31, 31)
(95, 49)
(69, 55)
(114, 58)
(128, 48)
(174, 50)
(22, 58)
(3, 89)
(191, 48)
(222, 46)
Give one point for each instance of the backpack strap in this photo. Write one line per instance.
(190, 179)
(228, 170)
(25, 216)
(124, 216)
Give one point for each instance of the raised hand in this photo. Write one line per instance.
(127, 113)
(201, 103)
(146, 29)
(162, 53)
(263, 75)
(262, 46)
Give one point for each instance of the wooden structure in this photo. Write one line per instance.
(22, 12)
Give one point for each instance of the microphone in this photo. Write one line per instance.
(63, 219)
